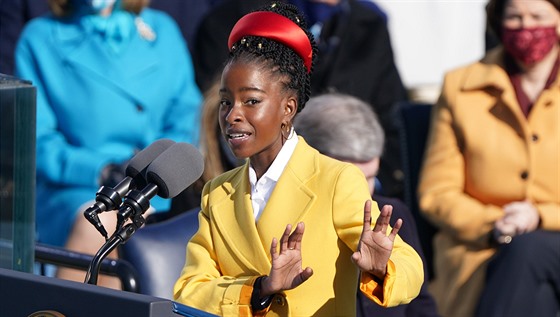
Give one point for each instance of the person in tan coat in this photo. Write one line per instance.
(491, 174)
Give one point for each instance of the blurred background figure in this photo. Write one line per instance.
(345, 128)
(354, 57)
(112, 77)
(14, 14)
(490, 180)
(187, 13)
(209, 49)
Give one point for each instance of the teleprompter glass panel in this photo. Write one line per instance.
(17, 173)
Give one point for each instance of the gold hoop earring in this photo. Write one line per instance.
(282, 128)
(289, 131)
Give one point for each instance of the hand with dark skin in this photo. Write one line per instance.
(286, 272)
(374, 250)
(375, 245)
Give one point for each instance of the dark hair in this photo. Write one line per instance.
(276, 57)
(495, 14)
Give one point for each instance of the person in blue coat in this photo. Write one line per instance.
(112, 77)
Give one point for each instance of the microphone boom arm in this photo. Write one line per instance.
(134, 206)
(119, 237)
(106, 198)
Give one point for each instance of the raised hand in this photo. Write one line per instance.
(375, 246)
(286, 272)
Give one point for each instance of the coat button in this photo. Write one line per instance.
(535, 138)
(280, 300)
(524, 175)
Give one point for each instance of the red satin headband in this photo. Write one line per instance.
(275, 27)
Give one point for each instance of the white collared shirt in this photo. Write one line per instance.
(261, 189)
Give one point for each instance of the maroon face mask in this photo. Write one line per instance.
(529, 45)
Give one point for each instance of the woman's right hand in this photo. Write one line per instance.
(286, 272)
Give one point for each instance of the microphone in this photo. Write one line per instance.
(168, 175)
(108, 198)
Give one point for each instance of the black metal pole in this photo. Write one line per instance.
(58, 256)
(93, 269)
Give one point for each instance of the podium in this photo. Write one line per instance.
(23, 294)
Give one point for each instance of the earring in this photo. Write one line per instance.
(288, 130)
(282, 128)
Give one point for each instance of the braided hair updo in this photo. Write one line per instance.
(276, 57)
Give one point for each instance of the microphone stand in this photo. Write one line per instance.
(134, 206)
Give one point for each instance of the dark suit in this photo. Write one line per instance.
(355, 57)
(187, 14)
(358, 60)
(209, 50)
(14, 14)
(423, 305)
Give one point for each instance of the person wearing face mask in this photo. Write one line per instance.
(112, 77)
(491, 175)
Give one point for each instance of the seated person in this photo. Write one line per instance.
(112, 77)
(490, 178)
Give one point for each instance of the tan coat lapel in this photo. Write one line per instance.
(490, 74)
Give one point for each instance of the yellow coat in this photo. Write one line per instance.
(483, 153)
(230, 250)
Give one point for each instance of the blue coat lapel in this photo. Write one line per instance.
(88, 54)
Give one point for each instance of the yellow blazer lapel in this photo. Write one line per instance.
(243, 238)
(291, 198)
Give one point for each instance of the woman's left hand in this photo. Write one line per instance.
(375, 246)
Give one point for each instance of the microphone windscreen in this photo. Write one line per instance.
(175, 169)
(142, 159)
